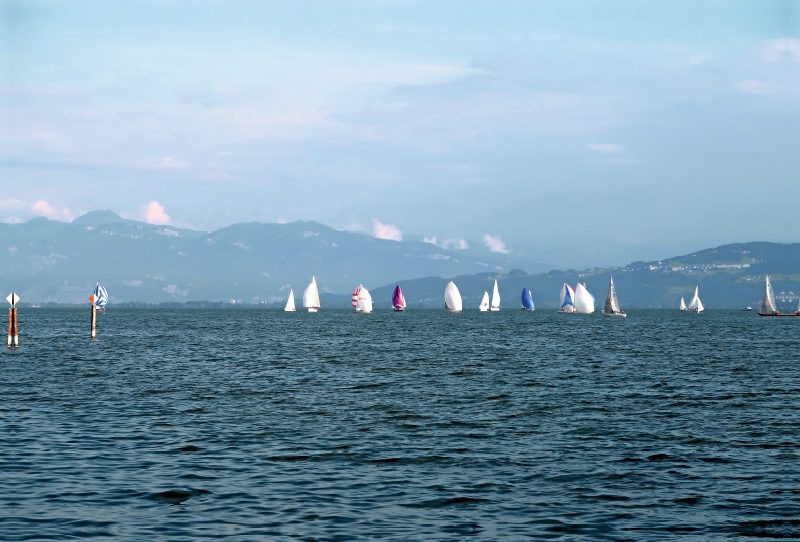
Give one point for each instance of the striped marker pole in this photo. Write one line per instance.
(13, 325)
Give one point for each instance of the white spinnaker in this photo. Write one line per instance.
(311, 295)
(584, 302)
(452, 297)
(768, 304)
(364, 303)
(290, 302)
(484, 306)
(495, 297)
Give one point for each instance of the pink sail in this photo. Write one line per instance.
(398, 299)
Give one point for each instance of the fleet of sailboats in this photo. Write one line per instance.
(611, 307)
(311, 296)
(696, 305)
(578, 300)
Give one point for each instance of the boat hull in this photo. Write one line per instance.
(399, 309)
(793, 314)
(617, 314)
(312, 309)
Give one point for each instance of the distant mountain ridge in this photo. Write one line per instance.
(49, 261)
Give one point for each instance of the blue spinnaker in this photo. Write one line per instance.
(100, 296)
(527, 299)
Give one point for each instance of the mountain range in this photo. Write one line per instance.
(48, 261)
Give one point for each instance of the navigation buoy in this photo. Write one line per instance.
(92, 299)
(13, 325)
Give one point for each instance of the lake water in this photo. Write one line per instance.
(263, 425)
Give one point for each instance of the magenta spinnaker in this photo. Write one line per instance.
(398, 299)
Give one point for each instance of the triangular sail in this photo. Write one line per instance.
(567, 297)
(495, 297)
(527, 299)
(290, 302)
(700, 307)
(612, 303)
(311, 295)
(355, 298)
(584, 301)
(768, 304)
(695, 300)
(484, 306)
(683, 304)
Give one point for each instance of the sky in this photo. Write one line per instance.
(593, 133)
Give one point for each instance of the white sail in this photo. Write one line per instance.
(584, 302)
(683, 304)
(612, 303)
(311, 296)
(290, 302)
(768, 304)
(693, 304)
(700, 307)
(484, 306)
(452, 297)
(562, 299)
(495, 297)
(364, 302)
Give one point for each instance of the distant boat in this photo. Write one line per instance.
(311, 296)
(495, 298)
(484, 306)
(683, 305)
(398, 299)
(363, 300)
(527, 300)
(696, 305)
(290, 302)
(584, 301)
(748, 308)
(567, 299)
(768, 305)
(452, 297)
(611, 307)
(100, 297)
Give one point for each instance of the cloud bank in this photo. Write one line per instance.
(386, 231)
(153, 213)
(495, 244)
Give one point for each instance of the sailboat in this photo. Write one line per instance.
(311, 296)
(696, 305)
(290, 302)
(495, 298)
(584, 301)
(484, 306)
(611, 307)
(363, 300)
(683, 305)
(567, 299)
(398, 299)
(527, 300)
(100, 297)
(768, 305)
(452, 297)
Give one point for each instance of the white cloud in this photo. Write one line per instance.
(386, 231)
(167, 162)
(603, 147)
(495, 243)
(41, 207)
(153, 213)
(782, 50)
(447, 244)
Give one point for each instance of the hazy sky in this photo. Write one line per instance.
(618, 129)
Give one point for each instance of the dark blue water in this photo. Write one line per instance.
(180, 425)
